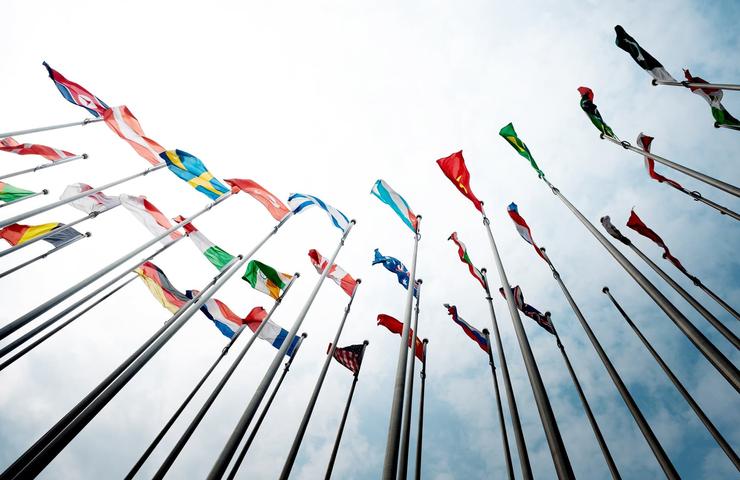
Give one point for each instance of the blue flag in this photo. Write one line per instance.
(394, 265)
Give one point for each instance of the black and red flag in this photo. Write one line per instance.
(349, 356)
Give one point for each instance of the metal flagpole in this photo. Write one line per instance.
(714, 297)
(420, 428)
(665, 463)
(222, 462)
(258, 424)
(502, 423)
(403, 463)
(679, 386)
(722, 125)
(722, 86)
(715, 357)
(51, 127)
(699, 198)
(55, 163)
(18, 200)
(731, 189)
(550, 425)
(335, 450)
(293, 453)
(45, 254)
(390, 463)
(521, 445)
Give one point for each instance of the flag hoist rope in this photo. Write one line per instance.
(408, 398)
(51, 127)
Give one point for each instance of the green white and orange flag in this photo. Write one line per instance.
(215, 254)
(266, 279)
(9, 193)
(463, 253)
(510, 136)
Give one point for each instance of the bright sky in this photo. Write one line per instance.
(324, 98)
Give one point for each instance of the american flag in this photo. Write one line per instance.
(350, 356)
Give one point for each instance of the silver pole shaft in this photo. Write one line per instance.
(51, 127)
(403, 463)
(45, 254)
(698, 197)
(731, 127)
(420, 428)
(721, 302)
(18, 200)
(500, 410)
(723, 86)
(43, 166)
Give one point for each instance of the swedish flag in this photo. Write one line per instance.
(191, 169)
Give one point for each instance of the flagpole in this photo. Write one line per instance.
(45, 254)
(293, 453)
(403, 463)
(549, 423)
(502, 423)
(721, 125)
(724, 186)
(714, 297)
(51, 127)
(721, 86)
(18, 200)
(55, 163)
(715, 357)
(699, 198)
(334, 450)
(420, 428)
(679, 386)
(263, 414)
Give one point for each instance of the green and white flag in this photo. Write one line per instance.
(713, 96)
(510, 136)
(266, 279)
(589, 108)
(215, 254)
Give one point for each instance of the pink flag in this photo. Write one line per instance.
(277, 209)
(8, 144)
(149, 215)
(122, 121)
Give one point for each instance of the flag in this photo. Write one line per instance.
(454, 168)
(397, 327)
(17, 234)
(122, 121)
(644, 142)
(642, 57)
(394, 265)
(93, 203)
(336, 273)
(266, 279)
(77, 94)
(192, 170)
(472, 332)
(220, 314)
(636, 224)
(149, 215)
(272, 332)
(299, 201)
(713, 96)
(529, 310)
(9, 193)
(218, 257)
(8, 144)
(606, 222)
(277, 208)
(510, 136)
(463, 253)
(523, 228)
(349, 356)
(157, 282)
(390, 197)
(587, 104)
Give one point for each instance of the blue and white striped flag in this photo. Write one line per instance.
(299, 201)
(391, 198)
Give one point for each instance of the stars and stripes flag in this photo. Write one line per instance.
(454, 168)
(394, 265)
(160, 286)
(17, 234)
(713, 96)
(589, 108)
(266, 279)
(528, 310)
(76, 93)
(641, 56)
(218, 257)
(8, 144)
(390, 197)
(299, 202)
(349, 356)
(150, 216)
(463, 254)
(636, 224)
(273, 204)
(189, 168)
(93, 203)
(472, 332)
(124, 123)
(644, 142)
(9, 193)
(397, 327)
(522, 227)
(336, 273)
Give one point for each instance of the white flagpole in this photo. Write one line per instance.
(51, 127)
(18, 200)
(45, 254)
(43, 166)
(408, 398)
(721, 86)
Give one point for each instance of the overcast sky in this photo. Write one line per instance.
(324, 98)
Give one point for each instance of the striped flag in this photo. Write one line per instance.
(8, 144)
(528, 310)
(93, 203)
(150, 216)
(160, 286)
(266, 279)
(390, 197)
(522, 227)
(298, 202)
(397, 327)
(641, 56)
(218, 257)
(395, 266)
(589, 108)
(17, 234)
(636, 224)
(340, 277)
(472, 332)
(76, 93)
(277, 208)
(220, 314)
(713, 96)
(272, 333)
(455, 169)
(189, 168)
(463, 254)
(9, 193)
(124, 123)
(644, 142)
(349, 356)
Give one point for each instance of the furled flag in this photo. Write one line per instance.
(397, 327)
(221, 315)
(606, 222)
(272, 332)
(340, 277)
(394, 265)
(213, 253)
(9, 193)
(349, 356)
(713, 96)
(76, 93)
(8, 144)
(277, 208)
(93, 203)
(454, 168)
(588, 106)
(528, 310)
(522, 149)
(122, 121)
(522, 227)
(463, 253)
(266, 279)
(642, 57)
(644, 142)
(298, 202)
(17, 234)
(636, 224)
(390, 197)
(157, 282)
(192, 170)
(145, 212)
(472, 332)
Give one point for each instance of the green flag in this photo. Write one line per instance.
(8, 192)
(510, 136)
(266, 279)
(589, 108)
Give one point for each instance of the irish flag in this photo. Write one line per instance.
(215, 254)
(266, 279)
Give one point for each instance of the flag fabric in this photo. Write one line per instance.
(149, 215)
(636, 224)
(266, 279)
(463, 254)
(713, 96)
(272, 332)
(588, 106)
(298, 202)
(472, 332)
(350, 356)
(510, 136)
(218, 257)
(397, 327)
(93, 203)
(191, 169)
(9, 193)
(641, 56)
(164, 292)
(528, 310)
(390, 197)
(8, 144)
(394, 265)
(273, 204)
(227, 322)
(76, 93)
(644, 142)
(17, 234)
(336, 273)
(522, 227)
(454, 168)
(124, 123)
(606, 222)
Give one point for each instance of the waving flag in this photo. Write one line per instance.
(394, 265)
(220, 314)
(390, 197)
(644, 142)
(454, 168)
(472, 332)
(340, 277)
(192, 170)
(277, 209)
(93, 203)
(589, 108)
(397, 327)
(77, 94)
(9, 193)
(606, 222)
(713, 96)
(122, 121)
(218, 257)
(149, 215)
(164, 292)
(636, 224)
(17, 234)
(266, 279)
(8, 144)
(523, 228)
(463, 253)
(272, 332)
(350, 356)
(298, 202)
(528, 310)
(510, 136)
(641, 56)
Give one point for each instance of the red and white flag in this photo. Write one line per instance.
(95, 202)
(8, 144)
(340, 277)
(523, 228)
(150, 216)
(644, 141)
(277, 208)
(122, 121)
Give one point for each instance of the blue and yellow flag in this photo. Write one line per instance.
(191, 169)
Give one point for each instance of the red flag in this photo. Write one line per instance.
(336, 273)
(644, 141)
(397, 327)
(8, 144)
(277, 209)
(636, 224)
(454, 168)
(124, 123)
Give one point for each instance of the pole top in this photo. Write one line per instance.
(446, 305)
(425, 341)
(543, 249)
(419, 280)
(358, 281)
(353, 221)
(304, 334)
(548, 314)
(486, 332)
(419, 217)
(484, 270)
(45, 192)
(366, 342)
(88, 234)
(605, 289)
(297, 274)
(84, 155)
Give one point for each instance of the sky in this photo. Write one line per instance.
(324, 98)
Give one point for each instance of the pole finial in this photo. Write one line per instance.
(353, 221)
(84, 155)
(45, 191)
(358, 281)
(297, 274)
(484, 270)
(486, 332)
(419, 280)
(88, 234)
(425, 341)
(366, 342)
(605, 289)
(543, 250)
(304, 334)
